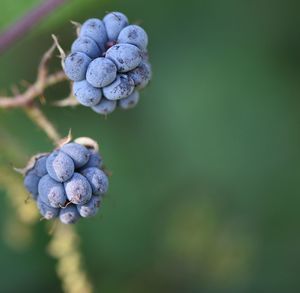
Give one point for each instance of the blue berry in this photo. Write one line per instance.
(86, 94)
(105, 107)
(130, 102)
(122, 87)
(125, 56)
(90, 208)
(135, 35)
(69, 214)
(60, 166)
(141, 75)
(101, 72)
(78, 189)
(52, 192)
(87, 46)
(31, 182)
(95, 160)
(40, 166)
(77, 152)
(114, 23)
(47, 211)
(95, 29)
(76, 65)
(97, 179)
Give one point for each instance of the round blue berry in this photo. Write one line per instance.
(95, 160)
(135, 35)
(122, 87)
(77, 152)
(141, 75)
(105, 107)
(46, 210)
(129, 102)
(95, 29)
(78, 189)
(125, 56)
(97, 179)
(75, 66)
(40, 166)
(86, 94)
(101, 72)
(60, 166)
(90, 208)
(114, 23)
(31, 182)
(69, 214)
(87, 46)
(52, 192)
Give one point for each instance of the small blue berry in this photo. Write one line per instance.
(129, 102)
(90, 208)
(69, 214)
(86, 94)
(40, 166)
(122, 87)
(97, 179)
(141, 75)
(101, 72)
(87, 46)
(60, 166)
(47, 211)
(78, 189)
(52, 192)
(31, 182)
(95, 29)
(77, 152)
(95, 160)
(135, 35)
(114, 23)
(125, 56)
(105, 107)
(76, 65)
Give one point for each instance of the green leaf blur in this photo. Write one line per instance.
(205, 188)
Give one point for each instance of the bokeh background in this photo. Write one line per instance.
(204, 195)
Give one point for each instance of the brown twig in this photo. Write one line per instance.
(35, 90)
(19, 29)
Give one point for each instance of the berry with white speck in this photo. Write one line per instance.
(69, 214)
(78, 189)
(97, 179)
(90, 208)
(60, 166)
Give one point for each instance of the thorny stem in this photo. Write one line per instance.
(19, 29)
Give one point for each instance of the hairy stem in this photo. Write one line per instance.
(18, 30)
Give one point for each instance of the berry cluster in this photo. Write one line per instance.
(109, 63)
(67, 183)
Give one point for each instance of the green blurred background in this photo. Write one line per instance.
(205, 189)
